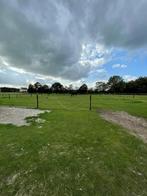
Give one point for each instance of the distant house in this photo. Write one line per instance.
(23, 90)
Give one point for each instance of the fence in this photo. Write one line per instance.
(36, 100)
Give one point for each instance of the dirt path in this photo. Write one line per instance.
(17, 116)
(136, 126)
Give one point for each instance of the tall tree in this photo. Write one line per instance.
(115, 83)
(45, 88)
(101, 86)
(114, 80)
(83, 88)
(31, 88)
(57, 87)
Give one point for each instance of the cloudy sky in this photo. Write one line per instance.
(72, 41)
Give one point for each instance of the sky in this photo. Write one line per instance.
(72, 41)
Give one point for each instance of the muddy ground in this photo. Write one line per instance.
(136, 125)
(17, 116)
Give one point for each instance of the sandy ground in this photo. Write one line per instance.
(136, 126)
(17, 116)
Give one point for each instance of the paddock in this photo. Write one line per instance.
(72, 150)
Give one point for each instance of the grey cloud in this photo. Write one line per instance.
(46, 37)
(118, 23)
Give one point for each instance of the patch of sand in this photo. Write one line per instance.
(136, 125)
(17, 116)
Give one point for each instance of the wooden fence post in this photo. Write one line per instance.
(37, 101)
(90, 103)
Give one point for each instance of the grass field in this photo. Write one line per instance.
(74, 152)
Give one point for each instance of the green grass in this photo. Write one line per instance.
(74, 152)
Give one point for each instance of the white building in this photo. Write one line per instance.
(23, 90)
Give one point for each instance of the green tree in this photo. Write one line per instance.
(116, 84)
(101, 86)
(83, 88)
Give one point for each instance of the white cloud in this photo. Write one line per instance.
(94, 55)
(128, 78)
(119, 66)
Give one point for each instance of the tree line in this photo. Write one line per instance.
(57, 87)
(9, 89)
(115, 84)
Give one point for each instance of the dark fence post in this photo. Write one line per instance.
(90, 103)
(37, 101)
